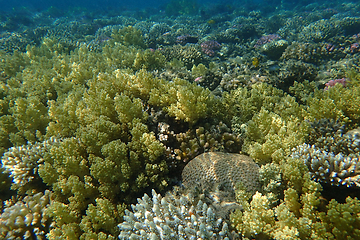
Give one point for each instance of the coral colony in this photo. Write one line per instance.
(197, 122)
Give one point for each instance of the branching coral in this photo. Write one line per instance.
(270, 120)
(335, 103)
(123, 131)
(25, 218)
(172, 217)
(22, 163)
(291, 207)
(330, 168)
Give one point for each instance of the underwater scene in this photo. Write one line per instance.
(180, 119)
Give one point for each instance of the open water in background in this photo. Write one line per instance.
(111, 5)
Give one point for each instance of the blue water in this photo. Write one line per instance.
(40, 5)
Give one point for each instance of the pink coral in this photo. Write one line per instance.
(266, 39)
(331, 83)
(209, 47)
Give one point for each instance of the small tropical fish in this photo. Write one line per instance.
(255, 62)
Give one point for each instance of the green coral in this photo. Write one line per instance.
(300, 214)
(199, 71)
(183, 100)
(335, 103)
(128, 36)
(97, 104)
(271, 121)
(104, 107)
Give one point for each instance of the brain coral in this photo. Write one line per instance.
(172, 217)
(213, 169)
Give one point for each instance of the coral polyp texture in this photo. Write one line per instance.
(26, 218)
(253, 108)
(172, 217)
(327, 167)
(334, 157)
(22, 163)
(212, 170)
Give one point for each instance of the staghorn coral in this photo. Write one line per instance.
(212, 170)
(172, 217)
(26, 218)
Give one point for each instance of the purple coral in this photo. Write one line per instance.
(266, 39)
(331, 83)
(209, 47)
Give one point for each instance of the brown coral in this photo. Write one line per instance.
(214, 169)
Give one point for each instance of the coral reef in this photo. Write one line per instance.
(187, 54)
(26, 218)
(212, 170)
(301, 212)
(172, 217)
(275, 48)
(320, 30)
(256, 105)
(187, 145)
(271, 121)
(209, 47)
(329, 168)
(266, 39)
(22, 163)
